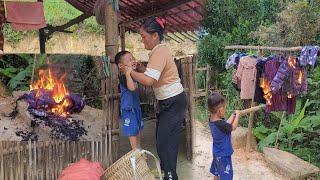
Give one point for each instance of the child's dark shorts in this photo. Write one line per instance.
(222, 167)
(131, 121)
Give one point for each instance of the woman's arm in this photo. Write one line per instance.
(142, 78)
(141, 68)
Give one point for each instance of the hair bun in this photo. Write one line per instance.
(161, 22)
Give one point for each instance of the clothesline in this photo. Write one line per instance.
(298, 48)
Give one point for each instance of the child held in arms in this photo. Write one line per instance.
(222, 150)
(131, 116)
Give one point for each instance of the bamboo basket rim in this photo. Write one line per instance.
(123, 168)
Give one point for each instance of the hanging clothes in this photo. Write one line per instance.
(278, 101)
(291, 78)
(245, 76)
(258, 95)
(309, 55)
(233, 60)
(2, 20)
(25, 16)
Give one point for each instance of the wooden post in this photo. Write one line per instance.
(112, 47)
(190, 129)
(42, 39)
(123, 37)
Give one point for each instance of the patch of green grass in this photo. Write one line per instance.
(58, 12)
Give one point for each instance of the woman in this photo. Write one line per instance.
(162, 74)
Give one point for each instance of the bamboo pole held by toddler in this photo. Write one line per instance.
(252, 109)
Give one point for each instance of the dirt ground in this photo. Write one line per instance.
(253, 168)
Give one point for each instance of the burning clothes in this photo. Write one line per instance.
(62, 127)
(276, 100)
(51, 105)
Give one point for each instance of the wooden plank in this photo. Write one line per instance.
(202, 69)
(200, 94)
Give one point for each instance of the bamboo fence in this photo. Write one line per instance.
(45, 160)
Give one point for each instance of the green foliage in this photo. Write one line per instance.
(18, 75)
(223, 15)
(297, 25)
(12, 36)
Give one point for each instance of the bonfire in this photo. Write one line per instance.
(51, 104)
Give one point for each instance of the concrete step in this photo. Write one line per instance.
(289, 165)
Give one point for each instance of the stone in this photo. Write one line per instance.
(239, 138)
(289, 165)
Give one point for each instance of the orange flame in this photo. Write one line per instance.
(292, 62)
(266, 88)
(300, 75)
(48, 82)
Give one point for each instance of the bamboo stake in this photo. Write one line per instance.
(47, 160)
(35, 160)
(30, 161)
(92, 150)
(1, 156)
(101, 148)
(19, 162)
(41, 155)
(61, 156)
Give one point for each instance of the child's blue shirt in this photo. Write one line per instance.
(129, 99)
(221, 135)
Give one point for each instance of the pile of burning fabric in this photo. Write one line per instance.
(50, 105)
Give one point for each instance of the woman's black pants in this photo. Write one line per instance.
(169, 125)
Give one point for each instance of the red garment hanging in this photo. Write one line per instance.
(25, 16)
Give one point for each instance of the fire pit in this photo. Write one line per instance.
(49, 106)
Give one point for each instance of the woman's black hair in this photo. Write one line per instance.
(154, 24)
(119, 55)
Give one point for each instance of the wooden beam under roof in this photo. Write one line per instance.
(159, 11)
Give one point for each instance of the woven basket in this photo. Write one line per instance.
(131, 166)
